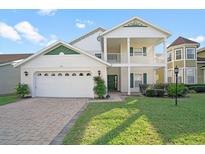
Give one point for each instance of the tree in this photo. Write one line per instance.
(100, 88)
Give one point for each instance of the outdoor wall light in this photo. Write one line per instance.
(26, 73)
(99, 72)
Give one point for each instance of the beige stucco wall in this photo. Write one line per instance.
(9, 78)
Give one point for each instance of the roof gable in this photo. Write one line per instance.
(181, 40)
(61, 50)
(136, 22)
(57, 44)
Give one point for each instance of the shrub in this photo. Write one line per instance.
(160, 92)
(192, 91)
(182, 90)
(143, 88)
(155, 92)
(197, 87)
(100, 88)
(22, 90)
(160, 86)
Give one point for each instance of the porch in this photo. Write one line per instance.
(118, 79)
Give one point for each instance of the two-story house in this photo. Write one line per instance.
(124, 56)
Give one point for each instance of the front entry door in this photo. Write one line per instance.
(112, 82)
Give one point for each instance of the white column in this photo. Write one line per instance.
(165, 56)
(105, 48)
(154, 76)
(128, 66)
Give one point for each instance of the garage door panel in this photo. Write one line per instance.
(64, 86)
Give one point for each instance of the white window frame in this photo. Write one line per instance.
(137, 53)
(194, 54)
(176, 54)
(181, 74)
(193, 76)
(170, 75)
(169, 54)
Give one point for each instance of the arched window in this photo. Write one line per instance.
(59, 74)
(66, 74)
(81, 74)
(39, 74)
(88, 74)
(74, 74)
(53, 74)
(46, 74)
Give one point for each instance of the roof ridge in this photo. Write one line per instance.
(87, 34)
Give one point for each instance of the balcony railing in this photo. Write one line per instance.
(113, 57)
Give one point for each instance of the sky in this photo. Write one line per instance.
(28, 31)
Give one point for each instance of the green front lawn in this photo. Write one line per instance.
(8, 99)
(141, 120)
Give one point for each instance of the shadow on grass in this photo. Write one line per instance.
(170, 122)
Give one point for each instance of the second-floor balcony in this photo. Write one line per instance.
(113, 58)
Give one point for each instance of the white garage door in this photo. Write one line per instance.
(64, 84)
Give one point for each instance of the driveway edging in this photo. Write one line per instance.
(58, 140)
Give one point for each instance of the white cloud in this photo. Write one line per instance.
(29, 32)
(1, 53)
(83, 23)
(9, 32)
(199, 39)
(47, 12)
(80, 25)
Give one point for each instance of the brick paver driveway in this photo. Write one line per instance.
(36, 120)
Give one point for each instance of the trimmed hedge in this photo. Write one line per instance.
(196, 87)
(159, 90)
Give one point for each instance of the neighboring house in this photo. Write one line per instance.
(201, 65)
(183, 53)
(10, 76)
(124, 56)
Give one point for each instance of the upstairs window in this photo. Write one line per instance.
(169, 57)
(99, 55)
(137, 51)
(190, 53)
(178, 54)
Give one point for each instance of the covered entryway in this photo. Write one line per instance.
(64, 84)
(112, 83)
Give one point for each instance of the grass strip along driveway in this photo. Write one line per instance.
(8, 99)
(141, 120)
